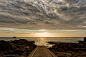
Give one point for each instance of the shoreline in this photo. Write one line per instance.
(16, 48)
(69, 49)
(22, 48)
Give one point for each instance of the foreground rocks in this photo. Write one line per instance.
(16, 48)
(69, 49)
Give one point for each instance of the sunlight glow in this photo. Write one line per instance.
(44, 34)
(42, 38)
(42, 30)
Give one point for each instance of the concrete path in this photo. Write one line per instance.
(41, 51)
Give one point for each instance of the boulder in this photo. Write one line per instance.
(5, 46)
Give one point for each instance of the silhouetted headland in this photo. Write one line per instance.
(14, 37)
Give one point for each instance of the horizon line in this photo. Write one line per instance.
(35, 37)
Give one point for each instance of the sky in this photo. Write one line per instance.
(43, 18)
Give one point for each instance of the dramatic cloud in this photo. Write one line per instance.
(69, 1)
(43, 14)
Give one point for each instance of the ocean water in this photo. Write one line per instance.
(44, 40)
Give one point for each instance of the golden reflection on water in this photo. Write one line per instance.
(41, 38)
(42, 41)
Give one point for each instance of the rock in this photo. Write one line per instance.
(5, 46)
(17, 47)
(51, 42)
(56, 45)
(75, 47)
(84, 38)
(13, 46)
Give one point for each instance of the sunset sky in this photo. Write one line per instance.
(43, 18)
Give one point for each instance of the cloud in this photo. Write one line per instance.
(43, 14)
(69, 1)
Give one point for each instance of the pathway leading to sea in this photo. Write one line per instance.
(41, 51)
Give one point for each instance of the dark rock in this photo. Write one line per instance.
(51, 42)
(84, 38)
(17, 46)
(4, 46)
(75, 47)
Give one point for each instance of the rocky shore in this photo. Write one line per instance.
(16, 48)
(69, 49)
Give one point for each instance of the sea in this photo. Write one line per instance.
(44, 40)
